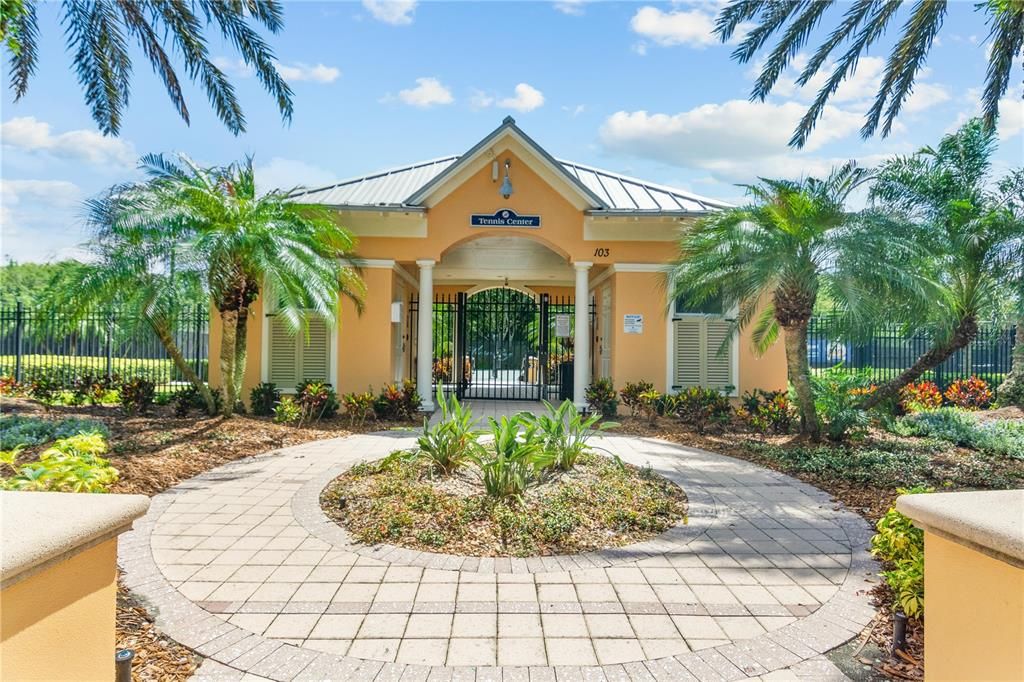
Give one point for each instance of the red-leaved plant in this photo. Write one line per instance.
(924, 395)
(969, 394)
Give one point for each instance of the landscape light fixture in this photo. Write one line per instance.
(506, 184)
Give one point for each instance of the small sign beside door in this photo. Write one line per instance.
(633, 324)
(562, 326)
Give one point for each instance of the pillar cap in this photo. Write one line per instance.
(426, 262)
(583, 264)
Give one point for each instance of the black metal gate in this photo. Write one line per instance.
(501, 344)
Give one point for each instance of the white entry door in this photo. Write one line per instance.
(607, 329)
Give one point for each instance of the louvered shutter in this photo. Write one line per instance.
(698, 362)
(717, 365)
(314, 351)
(688, 352)
(284, 356)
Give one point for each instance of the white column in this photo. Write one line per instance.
(581, 342)
(425, 335)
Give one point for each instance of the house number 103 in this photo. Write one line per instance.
(602, 253)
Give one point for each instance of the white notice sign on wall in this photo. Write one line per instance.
(562, 326)
(633, 324)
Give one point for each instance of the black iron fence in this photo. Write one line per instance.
(103, 343)
(887, 351)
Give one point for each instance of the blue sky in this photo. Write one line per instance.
(638, 88)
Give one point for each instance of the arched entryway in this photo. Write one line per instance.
(503, 322)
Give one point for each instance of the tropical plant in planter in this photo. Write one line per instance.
(517, 459)
(451, 443)
(565, 432)
(601, 398)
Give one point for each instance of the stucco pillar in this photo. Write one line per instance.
(425, 335)
(581, 341)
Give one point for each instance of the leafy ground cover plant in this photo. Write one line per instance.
(287, 411)
(137, 395)
(600, 503)
(28, 431)
(450, 443)
(900, 544)
(920, 396)
(72, 464)
(263, 397)
(700, 408)
(358, 407)
(1000, 437)
(514, 459)
(565, 432)
(838, 395)
(631, 393)
(601, 398)
(969, 394)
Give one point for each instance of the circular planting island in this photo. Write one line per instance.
(599, 503)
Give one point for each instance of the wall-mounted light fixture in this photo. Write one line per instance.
(506, 184)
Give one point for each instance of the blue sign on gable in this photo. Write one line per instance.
(504, 217)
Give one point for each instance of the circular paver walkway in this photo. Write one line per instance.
(241, 565)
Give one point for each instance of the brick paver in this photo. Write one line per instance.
(242, 565)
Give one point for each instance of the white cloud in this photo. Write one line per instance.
(574, 111)
(29, 134)
(287, 174)
(678, 27)
(395, 12)
(480, 100)
(527, 98)
(40, 219)
(571, 7)
(1011, 112)
(926, 96)
(296, 71)
(734, 140)
(317, 73)
(427, 93)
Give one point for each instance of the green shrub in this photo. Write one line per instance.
(650, 404)
(73, 464)
(631, 393)
(358, 407)
(262, 398)
(317, 400)
(699, 408)
(451, 442)
(565, 432)
(287, 411)
(838, 395)
(901, 544)
(1003, 437)
(44, 387)
(189, 398)
(874, 466)
(769, 411)
(136, 395)
(398, 403)
(25, 431)
(601, 398)
(999, 437)
(516, 459)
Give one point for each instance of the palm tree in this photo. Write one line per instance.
(971, 238)
(861, 26)
(214, 228)
(99, 32)
(133, 267)
(772, 258)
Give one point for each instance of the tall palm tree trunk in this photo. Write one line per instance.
(241, 339)
(228, 343)
(965, 332)
(187, 371)
(798, 370)
(1012, 388)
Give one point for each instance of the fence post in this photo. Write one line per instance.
(19, 318)
(109, 344)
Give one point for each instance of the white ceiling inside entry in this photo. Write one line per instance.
(499, 258)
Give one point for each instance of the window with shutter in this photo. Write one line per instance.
(297, 356)
(698, 362)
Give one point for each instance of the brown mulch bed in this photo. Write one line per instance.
(156, 451)
(157, 657)
(599, 504)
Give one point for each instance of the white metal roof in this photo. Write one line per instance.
(390, 188)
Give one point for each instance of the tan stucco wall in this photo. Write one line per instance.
(766, 371)
(364, 340)
(637, 357)
(974, 612)
(59, 623)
